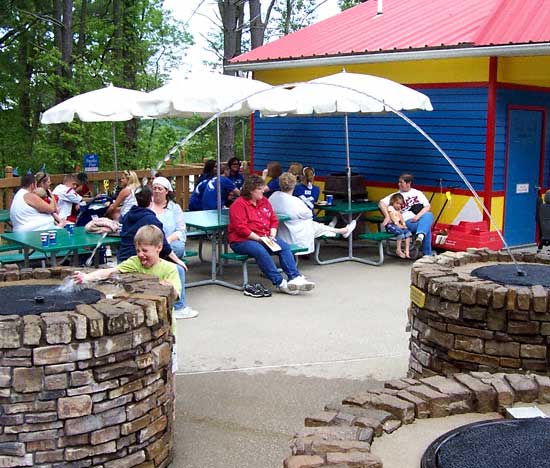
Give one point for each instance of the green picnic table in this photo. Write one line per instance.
(211, 222)
(347, 212)
(65, 244)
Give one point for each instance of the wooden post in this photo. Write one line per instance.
(185, 192)
(180, 191)
(182, 156)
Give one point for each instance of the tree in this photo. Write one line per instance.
(238, 33)
(53, 49)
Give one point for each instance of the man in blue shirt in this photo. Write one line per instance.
(210, 193)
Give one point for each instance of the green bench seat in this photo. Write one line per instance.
(244, 259)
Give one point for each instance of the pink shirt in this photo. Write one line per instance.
(244, 218)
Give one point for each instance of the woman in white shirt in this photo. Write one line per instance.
(28, 212)
(301, 229)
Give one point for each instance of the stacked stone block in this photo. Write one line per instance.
(89, 387)
(470, 324)
(342, 434)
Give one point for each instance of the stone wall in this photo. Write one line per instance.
(341, 435)
(88, 387)
(469, 324)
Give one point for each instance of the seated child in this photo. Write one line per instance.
(397, 225)
(148, 242)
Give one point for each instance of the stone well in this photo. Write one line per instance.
(463, 323)
(90, 386)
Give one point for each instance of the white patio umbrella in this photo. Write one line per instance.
(208, 94)
(355, 93)
(110, 104)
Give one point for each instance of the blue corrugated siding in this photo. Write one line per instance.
(506, 97)
(383, 146)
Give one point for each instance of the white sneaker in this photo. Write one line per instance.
(333, 221)
(283, 288)
(419, 239)
(300, 284)
(185, 313)
(350, 228)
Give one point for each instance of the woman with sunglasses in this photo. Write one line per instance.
(126, 198)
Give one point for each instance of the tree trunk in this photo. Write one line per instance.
(232, 15)
(82, 29)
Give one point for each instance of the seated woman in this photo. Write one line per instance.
(126, 198)
(252, 217)
(43, 183)
(209, 171)
(141, 215)
(273, 170)
(170, 215)
(228, 191)
(301, 229)
(29, 212)
(306, 191)
(233, 172)
(82, 187)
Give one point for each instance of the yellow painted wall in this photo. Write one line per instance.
(464, 70)
(533, 71)
(452, 209)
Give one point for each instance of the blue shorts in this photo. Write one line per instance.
(400, 233)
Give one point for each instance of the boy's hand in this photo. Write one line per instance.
(79, 277)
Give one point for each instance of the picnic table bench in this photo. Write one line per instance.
(245, 259)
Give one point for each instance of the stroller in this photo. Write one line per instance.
(95, 209)
(543, 221)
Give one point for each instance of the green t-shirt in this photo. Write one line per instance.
(163, 270)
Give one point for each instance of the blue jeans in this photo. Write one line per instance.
(180, 303)
(178, 247)
(424, 226)
(398, 232)
(265, 262)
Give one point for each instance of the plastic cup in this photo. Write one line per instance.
(329, 199)
(70, 229)
(53, 237)
(45, 239)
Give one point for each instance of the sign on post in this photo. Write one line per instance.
(91, 162)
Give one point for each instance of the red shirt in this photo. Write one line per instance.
(244, 218)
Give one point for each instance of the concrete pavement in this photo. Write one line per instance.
(251, 369)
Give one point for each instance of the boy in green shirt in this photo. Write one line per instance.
(148, 242)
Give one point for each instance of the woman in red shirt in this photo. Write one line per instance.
(251, 217)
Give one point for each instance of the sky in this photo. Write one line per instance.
(205, 19)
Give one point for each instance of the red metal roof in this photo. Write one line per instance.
(413, 24)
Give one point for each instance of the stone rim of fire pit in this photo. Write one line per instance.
(463, 323)
(93, 386)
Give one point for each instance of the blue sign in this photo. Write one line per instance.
(91, 162)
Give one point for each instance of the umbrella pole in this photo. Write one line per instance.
(348, 165)
(218, 172)
(113, 127)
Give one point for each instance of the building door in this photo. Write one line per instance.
(522, 175)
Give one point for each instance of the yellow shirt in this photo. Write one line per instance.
(163, 270)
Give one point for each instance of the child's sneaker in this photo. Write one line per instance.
(252, 291)
(300, 284)
(185, 313)
(283, 288)
(261, 288)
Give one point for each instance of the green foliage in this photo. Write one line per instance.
(136, 51)
(345, 4)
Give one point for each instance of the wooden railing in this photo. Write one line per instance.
(181, 172)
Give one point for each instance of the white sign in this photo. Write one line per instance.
(522, 188)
